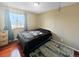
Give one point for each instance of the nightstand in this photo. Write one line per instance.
(3, 38)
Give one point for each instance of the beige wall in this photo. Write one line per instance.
(31, 20)
(64, 24)
(1, 18)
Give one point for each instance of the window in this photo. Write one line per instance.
(17, 20)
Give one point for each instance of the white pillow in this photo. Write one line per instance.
(36, 32)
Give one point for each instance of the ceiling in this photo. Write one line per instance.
(43, 6)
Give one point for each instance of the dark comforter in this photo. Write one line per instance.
(31, 40)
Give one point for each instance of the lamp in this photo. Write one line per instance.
(36, 4)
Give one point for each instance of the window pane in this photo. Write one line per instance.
(17, 20)
(21, 19)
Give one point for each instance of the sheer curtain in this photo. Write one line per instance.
(14, 19)
(25, 23)
(8, 26)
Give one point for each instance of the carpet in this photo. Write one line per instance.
(52, 49)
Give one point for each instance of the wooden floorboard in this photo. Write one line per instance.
(6, 50)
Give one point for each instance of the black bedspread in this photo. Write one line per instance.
(31, 40)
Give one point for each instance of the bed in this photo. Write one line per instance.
(33, 39)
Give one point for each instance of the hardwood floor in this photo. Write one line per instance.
(13, 49)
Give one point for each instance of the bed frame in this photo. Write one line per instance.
(36, 42)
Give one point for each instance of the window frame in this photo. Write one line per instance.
(21, 14)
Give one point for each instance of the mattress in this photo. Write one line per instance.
(31, 40)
